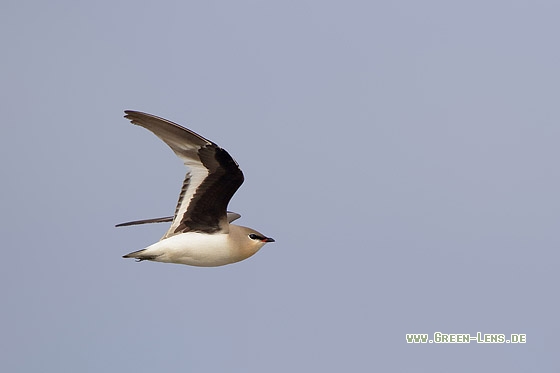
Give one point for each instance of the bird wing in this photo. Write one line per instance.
(231, 216)
(213, 177)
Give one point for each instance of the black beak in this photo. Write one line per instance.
(268, 239)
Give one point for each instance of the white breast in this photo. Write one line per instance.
(193, 248)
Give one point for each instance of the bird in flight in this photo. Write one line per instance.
(201, 233)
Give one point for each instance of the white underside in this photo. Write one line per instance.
(196, 249)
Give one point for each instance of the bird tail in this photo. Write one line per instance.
(140, 255)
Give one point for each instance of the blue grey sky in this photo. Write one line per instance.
(403, 154)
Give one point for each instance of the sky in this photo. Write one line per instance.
(403, 155)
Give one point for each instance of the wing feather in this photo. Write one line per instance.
(211, 182)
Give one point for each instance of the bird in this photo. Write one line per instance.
(201, 233)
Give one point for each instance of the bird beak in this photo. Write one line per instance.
(268, 239)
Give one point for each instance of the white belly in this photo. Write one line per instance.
(192, 248)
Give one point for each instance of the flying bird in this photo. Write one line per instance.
(201, 233)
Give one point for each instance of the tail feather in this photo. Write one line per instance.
(140, 255)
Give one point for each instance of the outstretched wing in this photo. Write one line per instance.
(212, 180)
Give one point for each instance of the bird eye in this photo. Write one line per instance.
(254, 236)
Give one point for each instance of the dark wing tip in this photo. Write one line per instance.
(146, 221)
(129, 113)
(133, 115)
(164, 128)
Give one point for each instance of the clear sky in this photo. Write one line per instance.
(403, 154)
